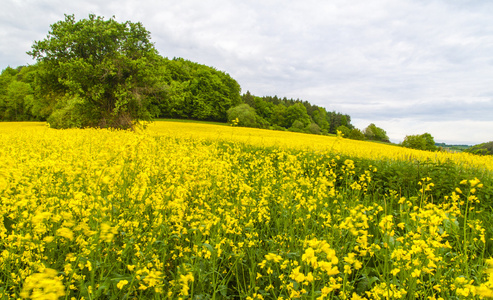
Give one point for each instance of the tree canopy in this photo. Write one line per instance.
(420, 141)
(195, 91)
(100, 72)
(16, 94)
(295, 115)
(372, 132)
(481, 149)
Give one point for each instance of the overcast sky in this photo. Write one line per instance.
(408, 66)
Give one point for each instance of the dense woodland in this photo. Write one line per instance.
(188, 90)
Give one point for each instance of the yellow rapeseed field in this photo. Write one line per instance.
(292, 140)
(198, 211)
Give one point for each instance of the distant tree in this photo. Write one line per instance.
(16, 94)
(356, 134)
(374, 133)
(246, 116)
(344, 121)
(278, 116)
(101, 72)
(313, 128)
(213, 93)
(297, 126)
(420, 141)
(337, 119)
(264, 108)
(297, 112)
(249, 99)
(18, 102)
(320, 117)
(344, 130)
(481, 149)
(190, 90)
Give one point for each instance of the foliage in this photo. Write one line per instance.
(420, 141)
(372, 132)
(282, 113)
(356, 134)
(102, 73)
(245, 115)
(195, 91)
(297, 113)
(481, 149)
(320, 117)
(16, 94)
(313, 128)
(344, 130)
(108, 68)
(204, 212)
(297, 126)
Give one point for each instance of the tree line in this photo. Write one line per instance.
(102, 73)
(97, 72)
(183, 89)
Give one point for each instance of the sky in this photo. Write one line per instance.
(408, 66)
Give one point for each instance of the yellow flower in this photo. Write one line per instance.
(107, 232)
(309, 257)
(416, 273)
(474, 182)
(66, 233)
(328, 268)
(273, 257)
(297, 276)
(121, 284)
(357, 297)
(45, 285)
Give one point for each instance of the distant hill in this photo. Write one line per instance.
(453, 148)
(481, 149)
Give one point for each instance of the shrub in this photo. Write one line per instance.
(313, 128)
(421, 142)
(356, 134)
(344, 130)
(245, 114)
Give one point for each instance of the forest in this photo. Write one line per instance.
(188, 90)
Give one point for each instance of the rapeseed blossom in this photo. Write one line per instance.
(198, 211)
(43, 286)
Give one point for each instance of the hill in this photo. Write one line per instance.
(452, 148)
(482, 149)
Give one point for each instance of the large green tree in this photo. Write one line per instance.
(101, 72)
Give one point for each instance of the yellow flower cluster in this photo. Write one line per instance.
(291, 140)
(43, 286)
(196, 211)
